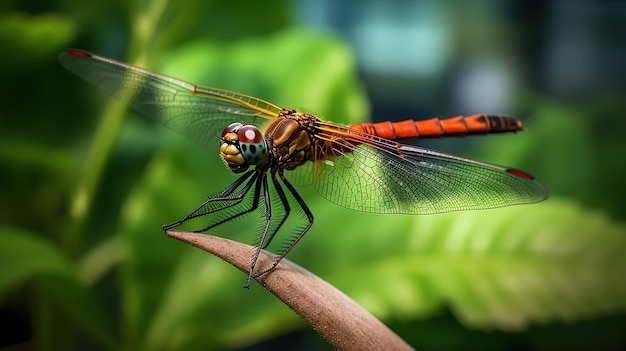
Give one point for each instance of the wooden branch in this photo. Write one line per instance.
(336, 317)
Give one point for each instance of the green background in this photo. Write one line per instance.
(86, 185)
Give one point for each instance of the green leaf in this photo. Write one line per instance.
(27, 255)
(29, 258)
(504, 268)
(311, 72)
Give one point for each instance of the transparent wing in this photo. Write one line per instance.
(200, 113)
(371, 174)
(353, 169)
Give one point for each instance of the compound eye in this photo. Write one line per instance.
(232, 128)
(252, 144)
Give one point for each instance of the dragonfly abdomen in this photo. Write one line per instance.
(436, 127)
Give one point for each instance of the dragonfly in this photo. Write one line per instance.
(366, 167)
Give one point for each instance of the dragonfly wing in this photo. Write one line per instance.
(413, 180)
(201, 113)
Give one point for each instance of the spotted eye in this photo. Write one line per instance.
(252, 144)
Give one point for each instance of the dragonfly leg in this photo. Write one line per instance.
(225, 196)
(309, 216)
(236, 201)
(262, 239)
(284, 202)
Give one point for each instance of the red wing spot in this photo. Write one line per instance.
(521, 174)
(80, 53)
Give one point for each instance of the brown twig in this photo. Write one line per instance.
(336, 317)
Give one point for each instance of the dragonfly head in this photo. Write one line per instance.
(242, 146)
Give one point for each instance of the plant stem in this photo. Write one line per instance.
(93, 166)
(143, 28)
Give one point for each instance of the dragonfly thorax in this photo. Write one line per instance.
(290, 139)
(242, 146)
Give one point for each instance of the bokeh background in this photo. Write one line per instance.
(85, 184)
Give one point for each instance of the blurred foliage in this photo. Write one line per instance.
(32, 38)
(84, 194)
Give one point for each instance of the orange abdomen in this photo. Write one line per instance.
(436, 128)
